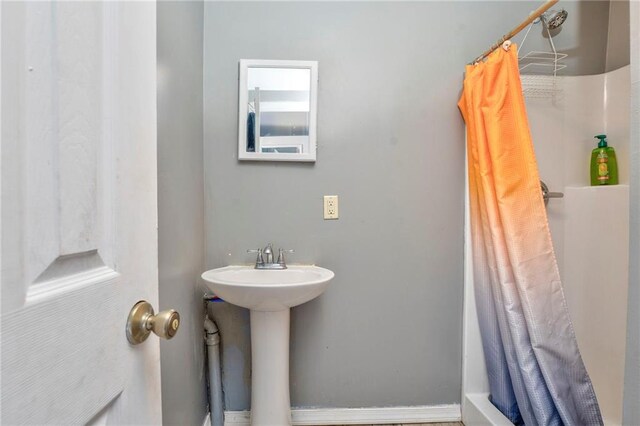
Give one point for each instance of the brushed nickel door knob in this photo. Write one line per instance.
(142, 321)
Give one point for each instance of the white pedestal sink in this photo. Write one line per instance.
(269, 294)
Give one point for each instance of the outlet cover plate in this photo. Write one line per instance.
(330, 207)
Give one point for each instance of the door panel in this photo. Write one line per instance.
(79, 221)
(56, 368)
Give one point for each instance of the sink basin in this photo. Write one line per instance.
(268, 290)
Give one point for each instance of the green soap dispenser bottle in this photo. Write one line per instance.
(604, 166)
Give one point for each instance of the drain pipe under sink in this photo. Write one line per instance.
(212, 339)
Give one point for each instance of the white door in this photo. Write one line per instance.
(79, 221)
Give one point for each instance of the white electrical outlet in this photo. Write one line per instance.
(330, 207)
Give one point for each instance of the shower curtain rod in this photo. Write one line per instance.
(532, 17)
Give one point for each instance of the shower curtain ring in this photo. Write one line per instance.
(506, 45)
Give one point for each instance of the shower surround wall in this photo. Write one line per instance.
(391, 144)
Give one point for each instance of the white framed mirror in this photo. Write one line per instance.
(277, 111)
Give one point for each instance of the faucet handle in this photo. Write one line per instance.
(259, 259)
(281, 253)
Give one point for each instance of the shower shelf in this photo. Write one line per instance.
(540, 86)
(545, 62)
(598, 187)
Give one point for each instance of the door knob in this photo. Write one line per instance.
(142, 321)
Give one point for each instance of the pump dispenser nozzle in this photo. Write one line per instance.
(603, 141)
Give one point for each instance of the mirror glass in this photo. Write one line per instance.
(277, 110)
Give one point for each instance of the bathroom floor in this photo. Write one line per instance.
(418, 424)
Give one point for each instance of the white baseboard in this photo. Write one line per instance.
(359, 416)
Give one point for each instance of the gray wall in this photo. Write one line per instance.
(631, 415)
(181, 207)
(618, 38)
(391, 144)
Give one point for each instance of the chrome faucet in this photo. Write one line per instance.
(269, 263)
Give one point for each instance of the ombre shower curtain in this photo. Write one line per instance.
(536, 373)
